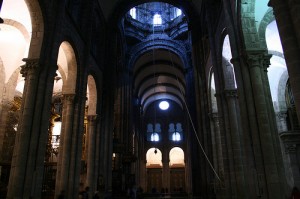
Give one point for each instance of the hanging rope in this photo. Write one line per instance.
(188, 112)
(192, 123)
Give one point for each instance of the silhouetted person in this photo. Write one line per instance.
(85, 193)
(61, 195)
(295, 193)
(96, 195)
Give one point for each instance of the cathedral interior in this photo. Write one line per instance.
(180, 99)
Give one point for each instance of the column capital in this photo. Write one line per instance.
(258, 58)
(91, 118)
(31, 65)
(69, 97)
(255, 59)
(230, 93)
(213, 115)
(290, 148)
(281, 114)
(266, 60)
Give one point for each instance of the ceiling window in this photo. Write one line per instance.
(164, 105)
(157, 20)
(178, 12)
(133, 13)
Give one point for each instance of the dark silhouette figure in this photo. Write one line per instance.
(85, 193)
(61, 195)
(295, 193)
(96, 195)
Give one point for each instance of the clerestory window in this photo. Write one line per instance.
(154, 137)
(176, 136)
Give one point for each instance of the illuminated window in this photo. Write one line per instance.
(133, 13)
(176, 136)
(178, 12)
(164, 105)
(154, 137)
(157, 19)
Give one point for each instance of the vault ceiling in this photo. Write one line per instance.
(111, 7)
(159, 75)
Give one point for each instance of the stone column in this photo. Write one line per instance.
(165, 170)
(22, 144)
(287, 18)
(49, 151)
(63, 163)
(282, 123)
(256, 61)
(291, 141)
(77, 144)
(219, 166)
(3, 125)
(107, 143)
(143, 174)
(294, 7)
(97, 153)
(91, 178)
(291, 151)
(235, 140)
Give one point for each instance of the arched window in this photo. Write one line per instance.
(133, 13)
(157, 19)
(176, 136)
(178, 12)
(230, 82)
(176, 157)
(154, 137)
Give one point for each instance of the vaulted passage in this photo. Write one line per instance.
(149, 99)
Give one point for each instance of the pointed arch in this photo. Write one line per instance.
(37, 22)
(68, 67)
(228, 70)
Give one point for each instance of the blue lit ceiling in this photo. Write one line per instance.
(156, 13)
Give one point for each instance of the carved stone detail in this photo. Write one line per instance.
(230, 93)
(281, 115)
(266, 60)
(69, 97)
(290, 148)
(259, 59)
(91, 118)
(32, 65)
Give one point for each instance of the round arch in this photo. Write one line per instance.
(176, 156)
(266, 20)
(37, 22)
(92, 96)
(252, 14)
(19, 26)
(154, 158)
(67, 66)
